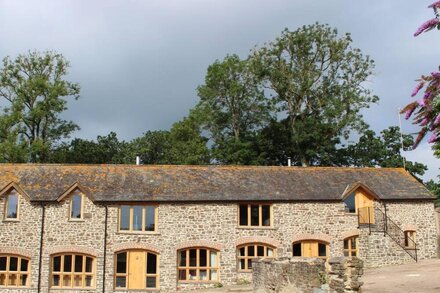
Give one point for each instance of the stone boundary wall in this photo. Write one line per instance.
(295, 275)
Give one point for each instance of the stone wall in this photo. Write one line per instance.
(212, 225)
(294, 275)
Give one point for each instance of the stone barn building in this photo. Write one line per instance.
(122, 228)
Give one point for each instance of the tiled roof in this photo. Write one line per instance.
(47, 182)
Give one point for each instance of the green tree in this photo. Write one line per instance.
(187, 145)
(34, 92)
(106, 150)
(383, 150)
(152, 148)
(317, 79)
(434, 187)
(232, 108)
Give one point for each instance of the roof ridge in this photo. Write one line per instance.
(203, 166)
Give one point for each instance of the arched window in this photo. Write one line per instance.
(136, 270)
(198, 264)
(249, 251)
(311, 248)
(351, 246)
(72, 270)
(14, 271)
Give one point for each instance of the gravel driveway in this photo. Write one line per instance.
(423, 276)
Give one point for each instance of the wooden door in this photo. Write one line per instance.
(363, 202)
(136, 270)
(310, 249)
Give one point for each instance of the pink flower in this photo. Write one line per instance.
(435, 5)
(424, 122)
(432, 138)
(435, 74)
(437, 120)
(425, 26)
(417, 88)
(409, 113)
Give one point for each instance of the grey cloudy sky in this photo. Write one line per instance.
(139, 62)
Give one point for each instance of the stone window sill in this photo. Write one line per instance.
(11, 221)
(255, 228)
(350, 214)
(137, 233)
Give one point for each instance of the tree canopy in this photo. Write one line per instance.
(317, 79)
(35, 93)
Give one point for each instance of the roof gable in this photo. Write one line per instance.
(359, 186)
(73, 188)
(13, 185)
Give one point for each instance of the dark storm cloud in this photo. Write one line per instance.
(139, 62)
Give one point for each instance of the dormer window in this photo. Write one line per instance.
(350, 203)
(76, 204)
(11, 206)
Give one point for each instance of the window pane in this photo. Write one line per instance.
(89, 264)
(266, 215)
(269, 252)
(214, 275)
(353, 253)
(297, 249)
(241, 251)
(137, 218)
(260, 250)
(182, 261)
(121, 263)
(203, 258)
(213, 259)
(182, 274)
(251, 250)
(88, 281)
(346, 253)
(243, 214)
(192, 257)
(150, 218)
(255, 215)
(13, 279)
(192, 275)
(67, 263)
(249, 264)
(3, 263)
(77, 281)
(203, 275)
(322, 249)
(55, 280)
(13, 264)
(121, 282)
(346, 244)
(124, 221)
(23, 280)
(151, 263)
(350, 204)
(12, 206)
(67, 281)
(353, 243)
(2, 279)
(56, 264)
(76, 207)
(151, 282)
(24, 265)
(78, 263)
(242, 264)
